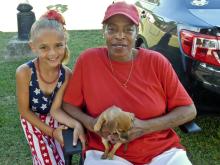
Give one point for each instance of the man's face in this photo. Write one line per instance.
(120, 33)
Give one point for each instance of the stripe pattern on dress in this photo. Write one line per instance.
(44, 149)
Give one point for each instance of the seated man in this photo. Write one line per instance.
(138, 81)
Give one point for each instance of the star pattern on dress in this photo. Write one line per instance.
(37, 91)
(35, 101)
(45, 99)
(43, 106)
(34, 108)
(41, 103)
(59, 84)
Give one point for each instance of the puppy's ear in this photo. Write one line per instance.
(131, 116)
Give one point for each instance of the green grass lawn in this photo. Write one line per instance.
(204, 147)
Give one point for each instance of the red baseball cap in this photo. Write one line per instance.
(123, 8)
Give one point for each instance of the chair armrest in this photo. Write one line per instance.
(190, 127)
(68, 148)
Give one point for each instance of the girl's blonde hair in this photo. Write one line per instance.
(52, 20)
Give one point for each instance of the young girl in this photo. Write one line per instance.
(40, 86)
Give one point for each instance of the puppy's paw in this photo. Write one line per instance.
(104, 156)
(110, 156)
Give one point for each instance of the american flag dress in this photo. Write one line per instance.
(45, 150)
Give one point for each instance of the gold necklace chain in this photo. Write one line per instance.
(129, 75)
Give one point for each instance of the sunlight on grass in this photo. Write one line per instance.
(202, 147)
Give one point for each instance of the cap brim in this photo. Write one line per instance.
(122, 13)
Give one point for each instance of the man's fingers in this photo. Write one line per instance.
(75, 138)
(63, 127)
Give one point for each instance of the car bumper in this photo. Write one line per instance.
(207, 75)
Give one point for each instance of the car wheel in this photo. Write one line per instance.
(142, 45)
(177, 65)
(139, 43)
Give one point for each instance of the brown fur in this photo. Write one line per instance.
(117, 121)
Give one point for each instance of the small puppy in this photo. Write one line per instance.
(117, 121)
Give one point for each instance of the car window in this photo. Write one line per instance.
(203, 4)
(153, 1)
(148, 4)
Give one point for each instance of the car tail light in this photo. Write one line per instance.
(204, 48)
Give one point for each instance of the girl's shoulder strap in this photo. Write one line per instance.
(30, 63)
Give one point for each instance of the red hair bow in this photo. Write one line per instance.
(54, 15)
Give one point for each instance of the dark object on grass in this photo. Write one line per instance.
(25, 19)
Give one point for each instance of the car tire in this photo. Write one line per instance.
(177, 65)
(142, 45)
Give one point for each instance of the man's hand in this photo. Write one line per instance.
(79, 134)
(137, 130)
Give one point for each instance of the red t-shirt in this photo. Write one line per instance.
(152, 88)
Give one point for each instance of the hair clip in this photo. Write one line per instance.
(54, 15)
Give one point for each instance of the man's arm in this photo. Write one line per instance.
(175, 118)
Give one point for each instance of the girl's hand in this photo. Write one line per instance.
(57, 134)
(79, 134)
